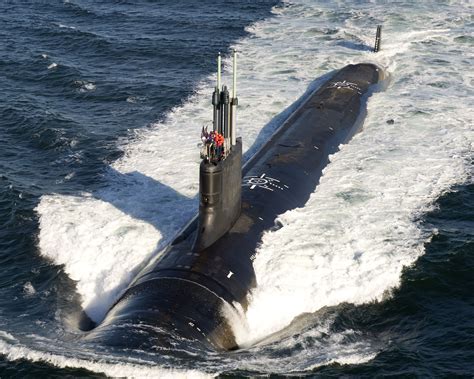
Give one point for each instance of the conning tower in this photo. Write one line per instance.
(220, 172)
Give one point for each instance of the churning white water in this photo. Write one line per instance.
(359, 228)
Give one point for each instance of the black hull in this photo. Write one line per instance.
(184, 290)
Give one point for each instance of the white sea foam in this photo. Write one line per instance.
(14, 351)
(358, 229)
(5, 336)
(28, 289)
(85, 86)
(88, 87)
(135, 99)
(331, 347)
(310, 347)
(62, 26)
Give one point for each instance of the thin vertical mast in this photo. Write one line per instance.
(216, 97)
(219, 71)
(234, 102)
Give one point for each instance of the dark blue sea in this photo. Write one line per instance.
(101, 108)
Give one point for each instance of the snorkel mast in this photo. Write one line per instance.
(235, 101)
(378, 39)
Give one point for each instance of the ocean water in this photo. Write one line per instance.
(102, 104)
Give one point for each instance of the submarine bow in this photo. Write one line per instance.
(207, 271)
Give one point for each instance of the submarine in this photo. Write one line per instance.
(188, 291)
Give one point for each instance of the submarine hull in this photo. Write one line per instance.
(187, 292)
